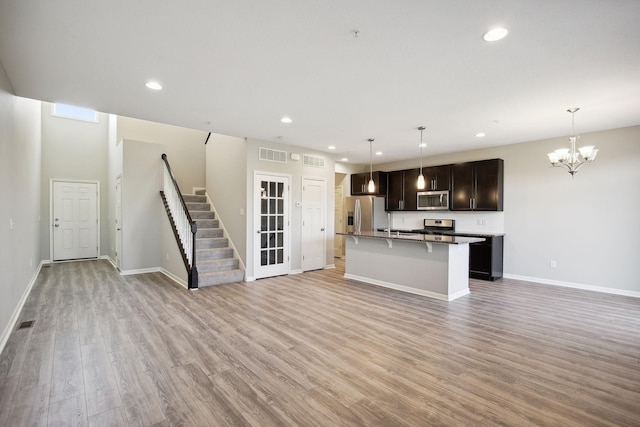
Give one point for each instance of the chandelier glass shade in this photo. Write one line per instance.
(571, 158)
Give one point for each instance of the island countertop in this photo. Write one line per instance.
(416, 237)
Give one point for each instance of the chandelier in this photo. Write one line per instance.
(571, 158)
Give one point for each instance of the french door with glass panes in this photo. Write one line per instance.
(271, 224)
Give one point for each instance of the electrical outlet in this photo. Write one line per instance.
(167, 256)
(553, 264)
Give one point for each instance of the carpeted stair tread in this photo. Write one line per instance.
(213, 253)
(193, 198)
(211, 242)
(193, 206)
(220, 264)
(220, 277)
(209, 232)
(202, 215)
(208, 223)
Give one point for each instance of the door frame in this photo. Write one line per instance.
(254, 230)
(338, 225)
(324, 220)
(75, 181)
(118, 242)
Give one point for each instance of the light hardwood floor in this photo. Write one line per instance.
(316, 350)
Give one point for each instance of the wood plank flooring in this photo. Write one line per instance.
(316, 350)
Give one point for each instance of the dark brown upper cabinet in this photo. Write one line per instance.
(437, 178)
(360, 182)
(477, 186)
(402, 190)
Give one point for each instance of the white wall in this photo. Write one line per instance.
(226, 183)
(73, 150)
(185, 148)
(297, 170)
(20, 157)
(142, 208)
(588, 225)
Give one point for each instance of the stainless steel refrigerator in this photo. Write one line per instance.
(365, 213)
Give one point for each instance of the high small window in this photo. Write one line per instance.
(73, 112)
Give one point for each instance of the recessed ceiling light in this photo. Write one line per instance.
(480, 135)
(424, 144)
(153, 85)
(286, 120)
(495, 34)
(344, 159)
(378, 153)
(331, 147)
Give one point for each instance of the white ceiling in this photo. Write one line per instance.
(236, 67)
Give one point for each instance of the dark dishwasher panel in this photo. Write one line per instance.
(485, 258)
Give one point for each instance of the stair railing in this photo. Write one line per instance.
(184, 227)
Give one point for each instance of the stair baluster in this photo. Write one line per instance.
(184, 227)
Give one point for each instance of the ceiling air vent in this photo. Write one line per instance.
(313, 161)
(271, 155)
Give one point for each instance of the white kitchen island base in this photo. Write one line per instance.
(435, 270)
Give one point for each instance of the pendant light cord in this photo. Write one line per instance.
(371, 159)
(421, 144)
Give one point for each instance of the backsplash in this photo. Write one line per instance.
(480, 222)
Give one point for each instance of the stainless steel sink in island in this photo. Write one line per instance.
(434, 266)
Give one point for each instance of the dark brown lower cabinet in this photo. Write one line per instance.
(485, 258)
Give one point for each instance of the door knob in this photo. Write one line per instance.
(322, 229)
(57, 225)
(258, 232)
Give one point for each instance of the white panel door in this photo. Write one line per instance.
(75, 220)
(271, 225)
(313, 223)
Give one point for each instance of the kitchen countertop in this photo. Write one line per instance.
(448, 233)
(407, 235)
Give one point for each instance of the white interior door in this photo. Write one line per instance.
(338, 241)
(271, 225)
(118, 221)
(75, 220)
(313, 223)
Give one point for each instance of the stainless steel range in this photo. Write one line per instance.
(437, 226)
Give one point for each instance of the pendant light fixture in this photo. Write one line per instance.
(421, 183)
(571, 158)
(372, 185)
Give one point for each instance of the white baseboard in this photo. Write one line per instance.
(297, 271)
(175, 278)
(167, 273)
(140, 271)
(16, 313)
(111, 261)
(329, 266)
(407, 289)
(573, 285)
(250, 279)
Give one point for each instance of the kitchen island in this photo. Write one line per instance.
(435, 266)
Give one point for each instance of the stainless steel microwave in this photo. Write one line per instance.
(433, 200)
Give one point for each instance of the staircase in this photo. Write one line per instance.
(214, 257)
